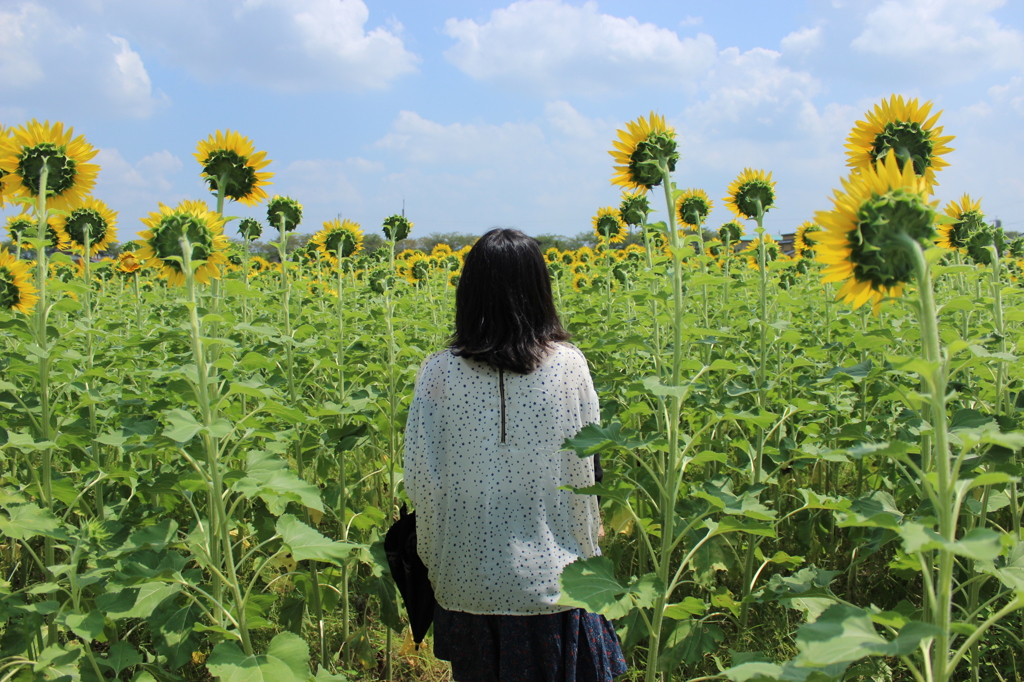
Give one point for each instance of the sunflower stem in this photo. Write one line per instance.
(94, 446)
(936, 380)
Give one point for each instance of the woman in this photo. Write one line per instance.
(484, 469)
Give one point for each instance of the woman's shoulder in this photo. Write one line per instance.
(565, 352)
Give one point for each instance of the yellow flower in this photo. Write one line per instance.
(16, 290)
(21, 227)
(4, 134)
(232, 158)
(634, 206)
(752, 191)
(803, 242)
(584, 254)
(582, 281)
(441, 250)
(339, 239)
(92, 215)
(127, 263)
(204, 230)
(968, 219)
(772, 251)
(904, 128)
(552, 255)
(861, 241)
(23, 154)
(693, 206)
(608, 226)
(258, 265)
(640, 151)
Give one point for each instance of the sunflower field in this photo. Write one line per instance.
(201, 450)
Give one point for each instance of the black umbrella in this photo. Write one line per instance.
(410, 574)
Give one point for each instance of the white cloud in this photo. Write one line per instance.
(556, 48)
(287, 45)
(423, 141)
(946, 39)
(45, 59)
(134, 189)
(802, 41)
(750, 91)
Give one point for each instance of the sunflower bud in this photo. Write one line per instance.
(730, 232)
(751, 194)
(284, 213)
(634, 208)
(250, 229)
(981, 239)
(396, 228)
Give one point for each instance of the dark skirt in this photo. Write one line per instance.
(570, 646)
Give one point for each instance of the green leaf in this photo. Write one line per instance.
(269, 478)
(842, 634)
(691, 606)
(155, 537)
(136, 602)
(688, 642)
(181, 426)
(595, 438)
(122, 655)
(28, 520)
(286, 660)
(591, 584)
(88, 626)
(732, 524)
(306, 543)
(969, 419)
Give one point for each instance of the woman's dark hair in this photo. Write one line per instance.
(504, 313)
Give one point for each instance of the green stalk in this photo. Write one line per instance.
(219, 539)
(670, 491)
(935, 378)
(46, 434)
(762, 396)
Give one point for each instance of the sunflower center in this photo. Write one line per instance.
(83, 221)
(876, 250)
(233, 169)
(908, 140)
(166, 238)
(693, 210)
(10, 293)
(61, 168)
(644, 162)
(754, 196)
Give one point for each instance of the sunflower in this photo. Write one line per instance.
(440, 250)
(772, 251)
(904, 128)
(967, 219)
(803, 243)
(193, 220)
(751, 193)
(21, 227)
(230, 158)
(861, 243)
(4, 134)
(568, 257)
(250, 229)
(127, 263)
(608, 226)
(584, 254)
(692, 207)
(634, 206)
(731, 232)
(418, 269)
(981, 239)
(16, 290)
(582, 281)
(258, 265)
(552, 255)
(23, 154)
(396, 227)
(453, 278)
(284, 213)
(92, 216)
(339, 239)
(641, 150)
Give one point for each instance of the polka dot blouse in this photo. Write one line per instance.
(483, 468)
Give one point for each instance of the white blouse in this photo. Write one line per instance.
(483, 468)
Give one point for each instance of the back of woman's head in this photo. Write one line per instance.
(504, 313)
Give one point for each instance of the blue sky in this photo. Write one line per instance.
(478, 114)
